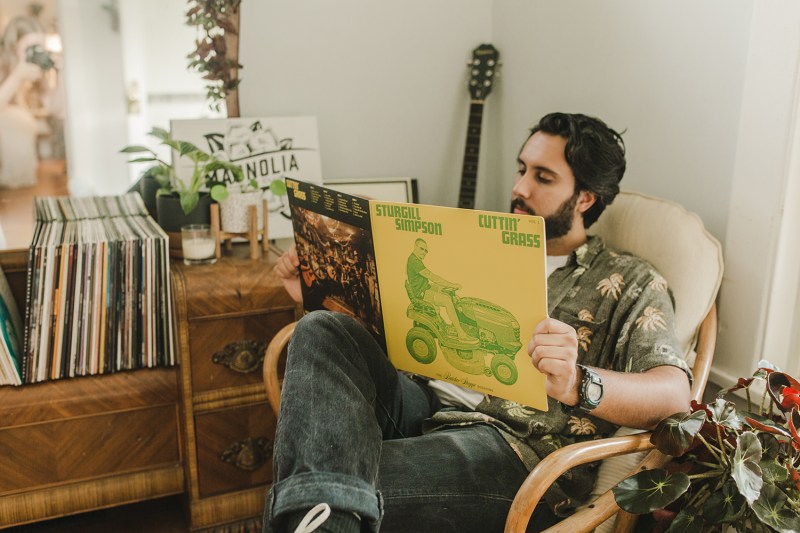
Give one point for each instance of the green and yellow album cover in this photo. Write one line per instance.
(452, 294)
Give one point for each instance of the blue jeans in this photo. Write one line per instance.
(350, 434)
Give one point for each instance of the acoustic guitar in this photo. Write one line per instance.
(483, 70)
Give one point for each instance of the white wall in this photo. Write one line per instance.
(670, 72)
(386, 80)
(758, 299)
(155, 43)
(95, 98)
(706, 91)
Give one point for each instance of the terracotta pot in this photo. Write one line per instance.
(234, 211)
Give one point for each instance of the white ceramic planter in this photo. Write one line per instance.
(233, 211)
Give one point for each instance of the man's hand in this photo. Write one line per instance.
(554, 352)
(287, 269)
(25, 71)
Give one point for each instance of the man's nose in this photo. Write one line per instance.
(522, 187)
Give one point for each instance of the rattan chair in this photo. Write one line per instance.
(676, 243)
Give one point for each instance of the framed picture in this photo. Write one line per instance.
(387, 189)
(266, 148)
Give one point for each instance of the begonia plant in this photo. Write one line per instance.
(732, 467)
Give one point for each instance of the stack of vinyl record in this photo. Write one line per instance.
(98, 294)
(10, 335)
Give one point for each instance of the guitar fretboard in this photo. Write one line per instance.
(469, 169)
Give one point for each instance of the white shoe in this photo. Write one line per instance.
(314, 518)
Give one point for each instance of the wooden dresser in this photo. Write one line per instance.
(203, 429)
(226, 315)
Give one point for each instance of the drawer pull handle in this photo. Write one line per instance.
(248, 454)
(242, 356)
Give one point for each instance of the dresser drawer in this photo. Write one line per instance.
(60, 451)
(229, 351)
(234, 448)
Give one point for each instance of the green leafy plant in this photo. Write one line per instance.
(211, 56)
(208, 172)
(731, 467)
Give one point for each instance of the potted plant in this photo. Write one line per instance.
(732, 468)
(234, 210)
(181, 202)
(216, 50)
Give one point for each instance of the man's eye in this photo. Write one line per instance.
(541, 178)
(521, 171)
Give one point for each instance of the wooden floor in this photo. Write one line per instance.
(16, 205)
(156, 516)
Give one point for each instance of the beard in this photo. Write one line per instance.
(559, 223)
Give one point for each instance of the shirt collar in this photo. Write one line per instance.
(586, 252)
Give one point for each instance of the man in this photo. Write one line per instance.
(351, 430)
(430, 287)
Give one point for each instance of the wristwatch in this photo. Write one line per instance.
(590, 391)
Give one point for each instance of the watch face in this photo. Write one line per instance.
(594, 392)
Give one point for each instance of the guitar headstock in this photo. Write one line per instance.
(483, 70)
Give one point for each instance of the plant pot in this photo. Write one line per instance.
(234, 211)
(148, 187)
(171, 218)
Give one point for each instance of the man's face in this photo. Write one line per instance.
(420, 250)
(546, 185)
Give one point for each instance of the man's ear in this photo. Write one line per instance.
(586, 199)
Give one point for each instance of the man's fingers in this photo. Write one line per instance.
(559, 353)
(557, 368)
(551, 325)
(285, 267)
(555, 339)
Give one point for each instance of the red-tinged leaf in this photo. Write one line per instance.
(776, 383)
(697, 406)
(791, 398)
(794, 423)
(742, 383)
(675, 434)
(762, 423)
(794, 475)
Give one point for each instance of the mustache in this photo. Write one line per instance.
(518, 203)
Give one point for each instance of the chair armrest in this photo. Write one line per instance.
(556, 464)
(271, 358)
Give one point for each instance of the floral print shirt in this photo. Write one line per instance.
(623, 313)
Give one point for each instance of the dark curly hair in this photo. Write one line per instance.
(594, 152)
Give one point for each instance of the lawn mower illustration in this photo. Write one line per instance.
(492, 343)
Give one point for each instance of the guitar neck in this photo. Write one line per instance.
(469, 169)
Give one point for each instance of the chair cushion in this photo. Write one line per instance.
(677, 244)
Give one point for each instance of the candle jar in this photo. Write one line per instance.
(198, 245)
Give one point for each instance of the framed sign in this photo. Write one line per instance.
(387, 189)
(265, 148)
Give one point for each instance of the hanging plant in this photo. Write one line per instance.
(216, 51)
